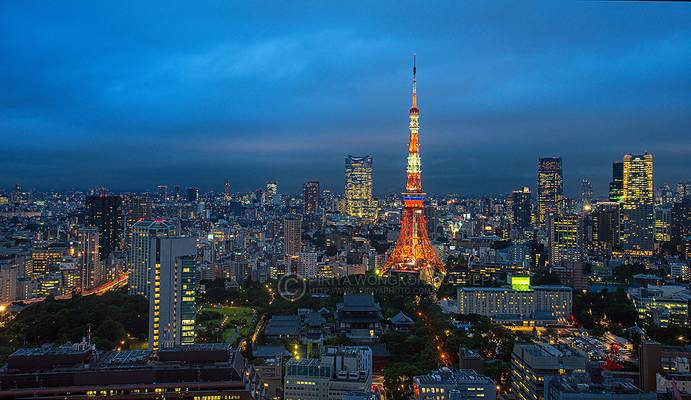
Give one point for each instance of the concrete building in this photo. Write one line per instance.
(662, 305)
(337, 372)
(539, 304)
(581, 387)
(140, 262)
(90, 266)
(637, 212)
(172, 308)
(203, 371)
(446, 384)
(292, 235)
(655, 358)
(533, 364)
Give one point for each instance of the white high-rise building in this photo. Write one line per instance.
(90, 266)
(139, 280)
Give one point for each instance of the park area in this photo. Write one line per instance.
(224, 324)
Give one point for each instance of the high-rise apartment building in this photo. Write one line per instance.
(90, 266)
(637, 212)
(549, 187)
(521, 207)
(192, 194)
(172, 309)
(310, 198)
(565, 238)
(140, 262)
(103, 211)
(358, 187)
(292, 235)
(616, 186)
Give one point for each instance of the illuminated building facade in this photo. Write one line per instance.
(192, 194)
(358, 188)
(565, 238)
(586, 193)
(103, 211)
(91, 273)
(616, 186)
(663, 223)
(531, 363)
(447, 384)
(413, 251)
(637, 213)
(337, 372)
(521, 208)
(549, 187)
(140, 262)
(292, 235)
(310, 198)
(172, 309)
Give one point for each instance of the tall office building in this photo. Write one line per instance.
(176, 193)
(616, 186)
(521, 207)
(637, 212)
(90, 266)
(138, 208)
(103, 211)
(586, 192)
(292, 235)
(310, 197)
(605, 219)
(565, 238)
(140, 262)
(192, 194)
(358, 187)
(271, 192)
(683, 191)
(172, 309)
(549, 187)
(162, 192)
(680, 224)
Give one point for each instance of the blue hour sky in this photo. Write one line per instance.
(130, 94)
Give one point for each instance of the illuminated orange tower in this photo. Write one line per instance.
(413, 252)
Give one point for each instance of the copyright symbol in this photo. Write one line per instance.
(291, 287)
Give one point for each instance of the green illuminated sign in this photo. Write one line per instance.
(520, 283)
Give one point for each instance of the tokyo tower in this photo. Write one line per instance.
(413, 252)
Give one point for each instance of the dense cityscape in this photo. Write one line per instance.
(334, 292)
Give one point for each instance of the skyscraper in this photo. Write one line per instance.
(103, 211)
(310, 197)
(91, 273)
(192, 194)
(605, 219)
(681, 224)
(162, 192)
(358, 187)
(549, 187)
(271, 191)
(616, 187)
(292, 235)
(172, 309)
(565, 238)
(638, 213)
(521, 207)
(413, 252)
(586, 193)
(140, 262)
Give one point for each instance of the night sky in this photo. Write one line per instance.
(132, 94)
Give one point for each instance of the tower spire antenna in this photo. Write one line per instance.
(414, 80)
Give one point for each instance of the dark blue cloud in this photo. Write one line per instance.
(132, 94)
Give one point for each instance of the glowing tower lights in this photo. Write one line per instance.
(413, 252)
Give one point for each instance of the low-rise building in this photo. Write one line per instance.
(532, 364)
(446, 384)
(662, 305)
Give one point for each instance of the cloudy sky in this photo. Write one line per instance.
(130, 94)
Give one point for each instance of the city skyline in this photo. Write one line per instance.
(230, 101)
